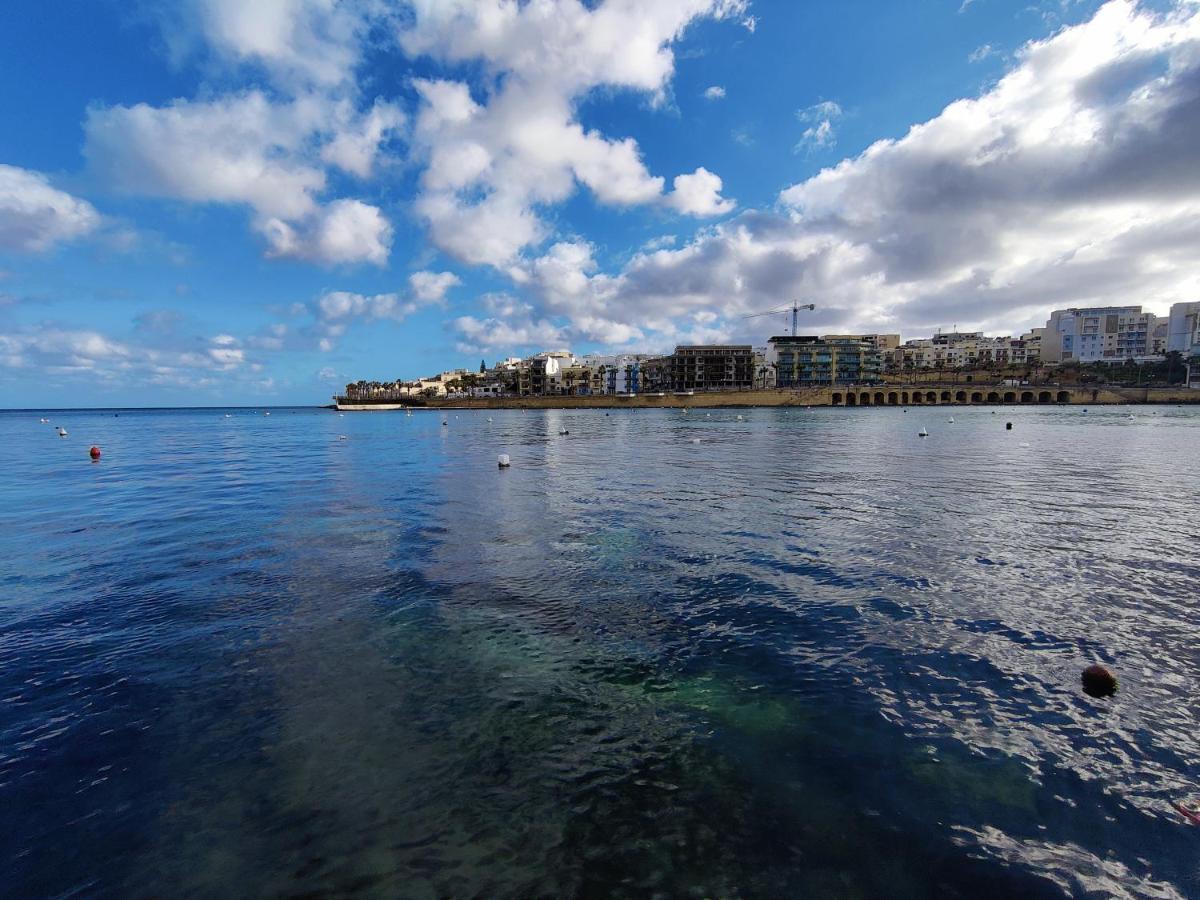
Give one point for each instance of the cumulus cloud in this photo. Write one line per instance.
(300, 43)
(493, 160)
(431, 287)
(345, 231)
(716, 92)
(699, 194)
(1071, 181)
(334, 311)
(35, 216)
(248, 149)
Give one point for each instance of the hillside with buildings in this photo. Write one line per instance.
(1096, 345)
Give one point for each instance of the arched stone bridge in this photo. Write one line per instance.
(917, 395)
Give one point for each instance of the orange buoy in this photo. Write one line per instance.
(94, 453)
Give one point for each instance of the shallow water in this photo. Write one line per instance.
(810, 655)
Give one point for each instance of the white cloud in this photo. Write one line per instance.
(269, 150)
(699, 194)
(147, 358)
(299, 42)
(345, 231)
(356, 148)
(980, 53)
(1071, 181)
(716, 92)
(821, 131)
(493, 160)
(34, 216)
(431, 287)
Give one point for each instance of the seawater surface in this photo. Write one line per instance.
(801, 654)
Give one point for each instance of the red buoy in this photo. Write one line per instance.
(94, 453)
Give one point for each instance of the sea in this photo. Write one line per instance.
(718, 653)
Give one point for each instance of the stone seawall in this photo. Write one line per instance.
(944, 394)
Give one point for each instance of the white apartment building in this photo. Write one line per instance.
(1183, 327)
(963, 350)
(1098, 334)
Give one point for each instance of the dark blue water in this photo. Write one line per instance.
(811, 655)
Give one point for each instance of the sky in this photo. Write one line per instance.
(208, 202)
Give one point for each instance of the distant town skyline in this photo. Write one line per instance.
(212, 202)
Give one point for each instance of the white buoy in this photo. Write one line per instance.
(922, 433)
(266, 413)
(740, 419)
(950, 420)
(695, 440)
(502, 461)
(62, 432)
(489, 418)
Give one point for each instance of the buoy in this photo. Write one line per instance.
(1098, 681)
(489, 418)
(266, 413)
(1189, 809)
(740, 419)
(1008, 426)
(951, 420)
(94, 453)
(502, 461)
(342, 437)
(695, 440)
(922, 433)
(62, 432)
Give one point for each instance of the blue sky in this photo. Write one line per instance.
(208, 201)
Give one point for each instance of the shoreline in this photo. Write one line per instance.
(890, 395)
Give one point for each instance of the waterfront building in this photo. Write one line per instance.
(881, 342)
(805, 360)
(1183, 328)
(711, 367)
(1098, 334)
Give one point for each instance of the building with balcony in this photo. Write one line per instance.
(803, 361)
(1183, 328)
(1098, 334)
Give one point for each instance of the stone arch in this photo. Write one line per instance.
(976, 396)
(960, 397)
(837, 399)
(1010, 396)
(864, 399)
(1026, 396)
(993, 397)
(893, 398)
(1064, 396)
(945, 398)
(879, 401)
(931, 396)
(851, 400)
(1044, 397)
(904, 397)
(916, 397)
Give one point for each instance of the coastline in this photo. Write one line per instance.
(933, 394)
